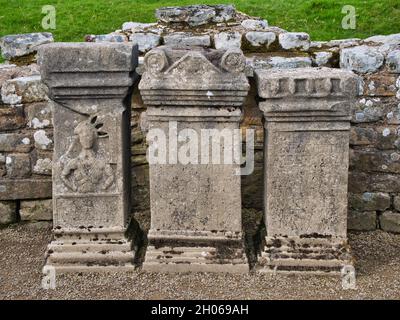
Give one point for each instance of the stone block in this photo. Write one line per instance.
(16, 189)
(361, 221)
(396, 202)
(322, 58)
(259, 62)
(196, 15)
(36, 210)
(361, 59)
(369, 201)
(18, 45)
(360, 136)
(379, 85)
(39, 115)
(145, 41)
(390, 221)
(112, 37)
(182, 39)
(376, 161)
(23, 90)
(253, 24)
(294, 40)
(8, 212)
(393, 61)
(228, 40)
(137, 26)
(18, 165)
(260, 38)
(12, 118)
(15, 142)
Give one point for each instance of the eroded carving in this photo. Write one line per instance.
(88, 172)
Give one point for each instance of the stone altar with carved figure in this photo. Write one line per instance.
(196, 223)
(306, 158)
(89, 85)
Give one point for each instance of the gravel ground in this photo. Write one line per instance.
(22, 250)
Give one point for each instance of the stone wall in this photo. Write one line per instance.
(374, 184)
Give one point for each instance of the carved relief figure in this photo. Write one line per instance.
(88, 172)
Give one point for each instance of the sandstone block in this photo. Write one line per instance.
(390, 221)
(39, 115)
(36, 210)
(361, 59)
(23, 90)
(361, 221)
(294, 40)
(228, 40)
(369, 201)
(12, 118)
(8, 212)
(13, 46)
(260, 38)
(15, 142)
(182, 39)
(145, 41)
(18, 165)
(13, 189)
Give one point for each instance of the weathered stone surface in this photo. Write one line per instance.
(360, 136)
(181, 39)
(343, 43)
(259, 62)
(388, 39)
(368, 110)
(369, 201)
(361, 59)
(13, 189)
(8, 212)
(360, 182)
(376, 161)
(15, 142)
(294, 40)
(361, 221)
(18, 165)
(390, 221)
(393, 61)
(322, 58)
(12, 118)
(196, 15)
(43, 166)
(43, 140)
(145, 41)
(195, 205)
(110, 38)
(89, 84)
(39, 115)
(260, 38)
(380, 84)
(307, 120)
(253, 24)
(137, 26)
(228, 40)
(13, 46)
(396, 202)
(23, 90)
(36, 210)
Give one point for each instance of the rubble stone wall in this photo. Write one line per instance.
(374, 185)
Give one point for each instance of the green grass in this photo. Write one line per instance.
(320, 18)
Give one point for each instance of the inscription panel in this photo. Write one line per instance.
(306, 183)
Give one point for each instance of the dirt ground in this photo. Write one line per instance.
(22, 250)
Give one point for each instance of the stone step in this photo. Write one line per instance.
(111, 258)
(89, 247)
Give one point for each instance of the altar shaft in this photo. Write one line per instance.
(196, 220)
(306, 157)
(88, 86)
